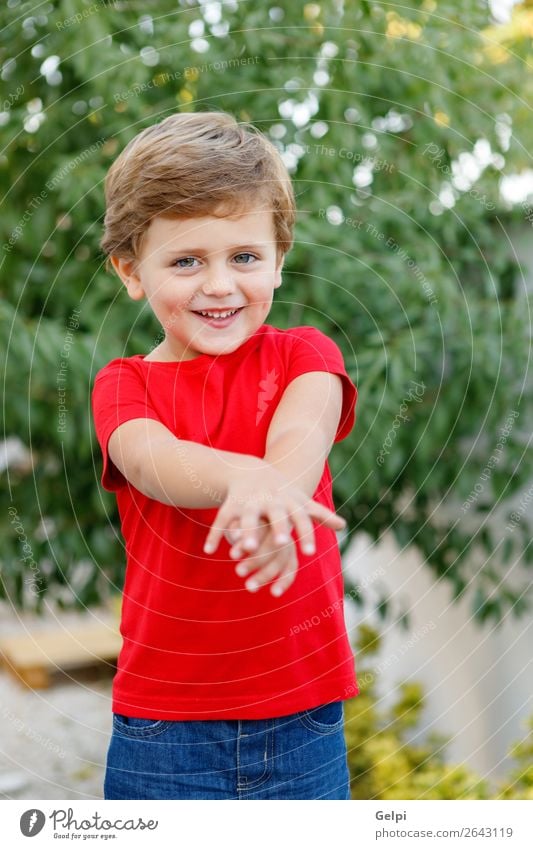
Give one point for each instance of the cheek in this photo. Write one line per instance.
(169, 310)
(174, 299)
(260, 291)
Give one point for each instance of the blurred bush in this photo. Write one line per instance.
(397, 127)
(385, 763)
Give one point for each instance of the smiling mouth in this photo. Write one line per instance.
(216, 318)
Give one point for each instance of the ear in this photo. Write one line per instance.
(128, 273)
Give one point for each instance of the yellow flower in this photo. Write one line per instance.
(400, 28)
(496, 54)
(311, 11)
(441, 119)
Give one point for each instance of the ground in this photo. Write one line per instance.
(53, 742)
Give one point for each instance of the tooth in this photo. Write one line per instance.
(218, 314)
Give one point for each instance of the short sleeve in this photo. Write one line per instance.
(312, 350)
(119, 394)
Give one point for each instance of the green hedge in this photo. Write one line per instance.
(415, 294)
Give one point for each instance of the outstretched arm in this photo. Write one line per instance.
(175, 471)
(184, 473)
(303, 428)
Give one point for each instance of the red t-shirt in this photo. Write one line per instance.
(196, 643)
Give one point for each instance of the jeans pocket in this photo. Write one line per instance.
(324, 719)
(134, 726)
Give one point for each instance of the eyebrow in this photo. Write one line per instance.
(187, 251)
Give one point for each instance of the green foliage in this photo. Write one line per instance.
(385, 764)
(519, 783)
(413, 292)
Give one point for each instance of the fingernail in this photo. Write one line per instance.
(241, 570)
(282, 538)
(250, 542)
(309, 549)
(252, 586)
(277, 590)
(208, 548)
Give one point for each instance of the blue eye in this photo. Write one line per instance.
(185, 260)
(245, 254)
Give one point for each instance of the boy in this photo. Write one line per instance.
(216, 445)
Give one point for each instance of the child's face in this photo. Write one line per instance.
(208, 264)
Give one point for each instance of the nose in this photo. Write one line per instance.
(218, 285)
(218, 280)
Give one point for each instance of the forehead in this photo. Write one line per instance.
(211, 232)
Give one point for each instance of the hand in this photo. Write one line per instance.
(263, 491)
(271, 559)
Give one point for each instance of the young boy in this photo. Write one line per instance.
(235, 658)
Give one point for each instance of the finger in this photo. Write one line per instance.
(231, 537)
(258, 559)
(220, 524)
(280, 526)
(284, 564)
(263, 576)
(321, 514)
(326, 516)
(304, 529)
(250, 525)
(286, 578)
(237, 551)
(234, 533)
(265, 556)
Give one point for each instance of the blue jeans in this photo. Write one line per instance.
(300, 756)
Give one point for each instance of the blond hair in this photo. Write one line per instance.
(192, 165)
